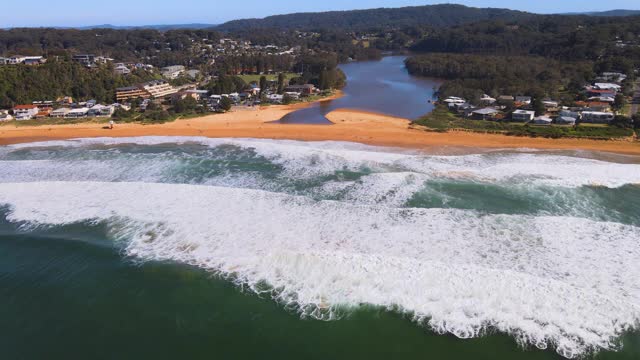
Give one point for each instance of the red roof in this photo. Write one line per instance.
(25, 107)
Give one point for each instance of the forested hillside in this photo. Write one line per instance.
(431, 15)
(23, 84)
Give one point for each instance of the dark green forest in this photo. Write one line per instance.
(24, 84)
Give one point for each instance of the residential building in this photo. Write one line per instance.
(487, 100)
(597, 117)
(569, 113)
(59, 113)
(172, 72)
(607, 86)
(25, 112)
(304, 90)
(565, 120)
(523, 115)
(526, 100)
(131, 92)
(484, 114)
(121, 69)
(78, 113)
(101, 111)
(542, 120)
(85, 59)
(193, 73)
(159, 88)
(5, 117)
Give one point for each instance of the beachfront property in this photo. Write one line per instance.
(131, 92)
(77, 113)
(484, 114)
(523, 115)
(5, 116)
(303, 90)
(597, 117)
(60, 113)
(159, 88)
(101, 111)
(25, 112)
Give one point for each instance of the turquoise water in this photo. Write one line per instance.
(203, 248)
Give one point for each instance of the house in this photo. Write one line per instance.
(542, 120)
(59, 113)
(87, 60)
(292, 95)
(525, 100)
(487, 100)
(304, 90)
(597, 117)
(569, 113)
(565, 120)
(607, 86)
(159, 88)
(101, 111)
(592, 92)
(275, 98)
(607, 99)
(131, 92)
(43, 113)
(34, 60)
(550, 104)
(523, 115)
(25, 112)
(3, 61)
(599, 106)
(77, 113)
(66, 100)
(5, 117)
(121, 69)
(484, 114)
(172, 72)
(454, 100)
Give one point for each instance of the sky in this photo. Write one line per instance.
(158, 12)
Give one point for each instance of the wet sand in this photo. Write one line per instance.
(348, 125)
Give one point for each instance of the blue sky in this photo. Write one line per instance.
(153, 12)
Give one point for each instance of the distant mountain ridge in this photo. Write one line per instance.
(194, 26)
(609, 13)
(435, 15)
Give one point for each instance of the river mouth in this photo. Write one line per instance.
(382, 86)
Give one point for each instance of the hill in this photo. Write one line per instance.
(444, 15)
(610, 13)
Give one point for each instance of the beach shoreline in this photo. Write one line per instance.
(348, 125)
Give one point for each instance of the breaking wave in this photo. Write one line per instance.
(539, 246)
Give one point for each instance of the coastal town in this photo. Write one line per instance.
(601, 98)
(159, 93)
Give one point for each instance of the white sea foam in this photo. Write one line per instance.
(310, 159)
(562, 282)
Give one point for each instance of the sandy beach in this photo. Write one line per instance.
(348, 125)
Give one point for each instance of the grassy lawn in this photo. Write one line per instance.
(441, 120)
(256, 78)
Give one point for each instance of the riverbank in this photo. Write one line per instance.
(348, 125)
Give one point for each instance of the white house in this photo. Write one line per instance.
(608, 86)
(77, 113)
(523, 115)
(121, 69)
(59, 113)
(25, 112)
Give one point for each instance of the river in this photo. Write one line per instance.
(382, 86)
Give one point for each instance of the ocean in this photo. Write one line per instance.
(196, 248)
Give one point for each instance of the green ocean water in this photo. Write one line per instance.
(171, 268)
